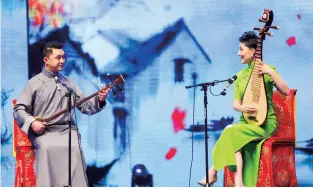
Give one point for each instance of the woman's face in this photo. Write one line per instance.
(245, 53)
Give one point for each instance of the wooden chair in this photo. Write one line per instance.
(25, 158)
(277, 162)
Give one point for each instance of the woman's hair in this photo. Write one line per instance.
(249, 39)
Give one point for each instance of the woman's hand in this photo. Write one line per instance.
(263, 68)
(281, 85)
(248, 108)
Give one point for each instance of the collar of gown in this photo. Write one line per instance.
(50, 74)
(250, 65)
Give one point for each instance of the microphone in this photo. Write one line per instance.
(57, 82)
(70, 90)
(230, 81)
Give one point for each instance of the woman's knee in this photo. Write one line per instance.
(230, 128)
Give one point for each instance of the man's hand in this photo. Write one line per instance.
(38, 127)
(103, 93)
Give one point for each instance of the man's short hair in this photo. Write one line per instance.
(47, 48)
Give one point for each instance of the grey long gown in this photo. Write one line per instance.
(42, 97)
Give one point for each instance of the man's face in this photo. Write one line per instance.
(55, 61)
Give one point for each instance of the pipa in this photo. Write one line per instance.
(255, 92)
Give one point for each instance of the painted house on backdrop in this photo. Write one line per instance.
(171, 58)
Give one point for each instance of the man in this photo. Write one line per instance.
(43, 96)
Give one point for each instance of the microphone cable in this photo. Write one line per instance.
(193, 123)
(211, 90)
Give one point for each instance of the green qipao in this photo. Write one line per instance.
(243, 136)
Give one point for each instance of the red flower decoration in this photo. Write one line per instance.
(178, 117)
(171, 153)
(291, 41)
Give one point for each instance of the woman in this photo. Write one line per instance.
(240, 144)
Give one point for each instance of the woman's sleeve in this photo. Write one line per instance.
(237, 94)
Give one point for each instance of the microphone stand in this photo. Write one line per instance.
(204, 88)
(69, 95)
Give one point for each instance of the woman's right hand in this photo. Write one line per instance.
(248, 108)
(38, 127)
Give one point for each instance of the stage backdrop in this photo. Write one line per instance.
(159, 47)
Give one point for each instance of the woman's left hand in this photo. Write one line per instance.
(263, 68)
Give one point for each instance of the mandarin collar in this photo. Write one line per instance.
(50, 74)
(250, 65)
